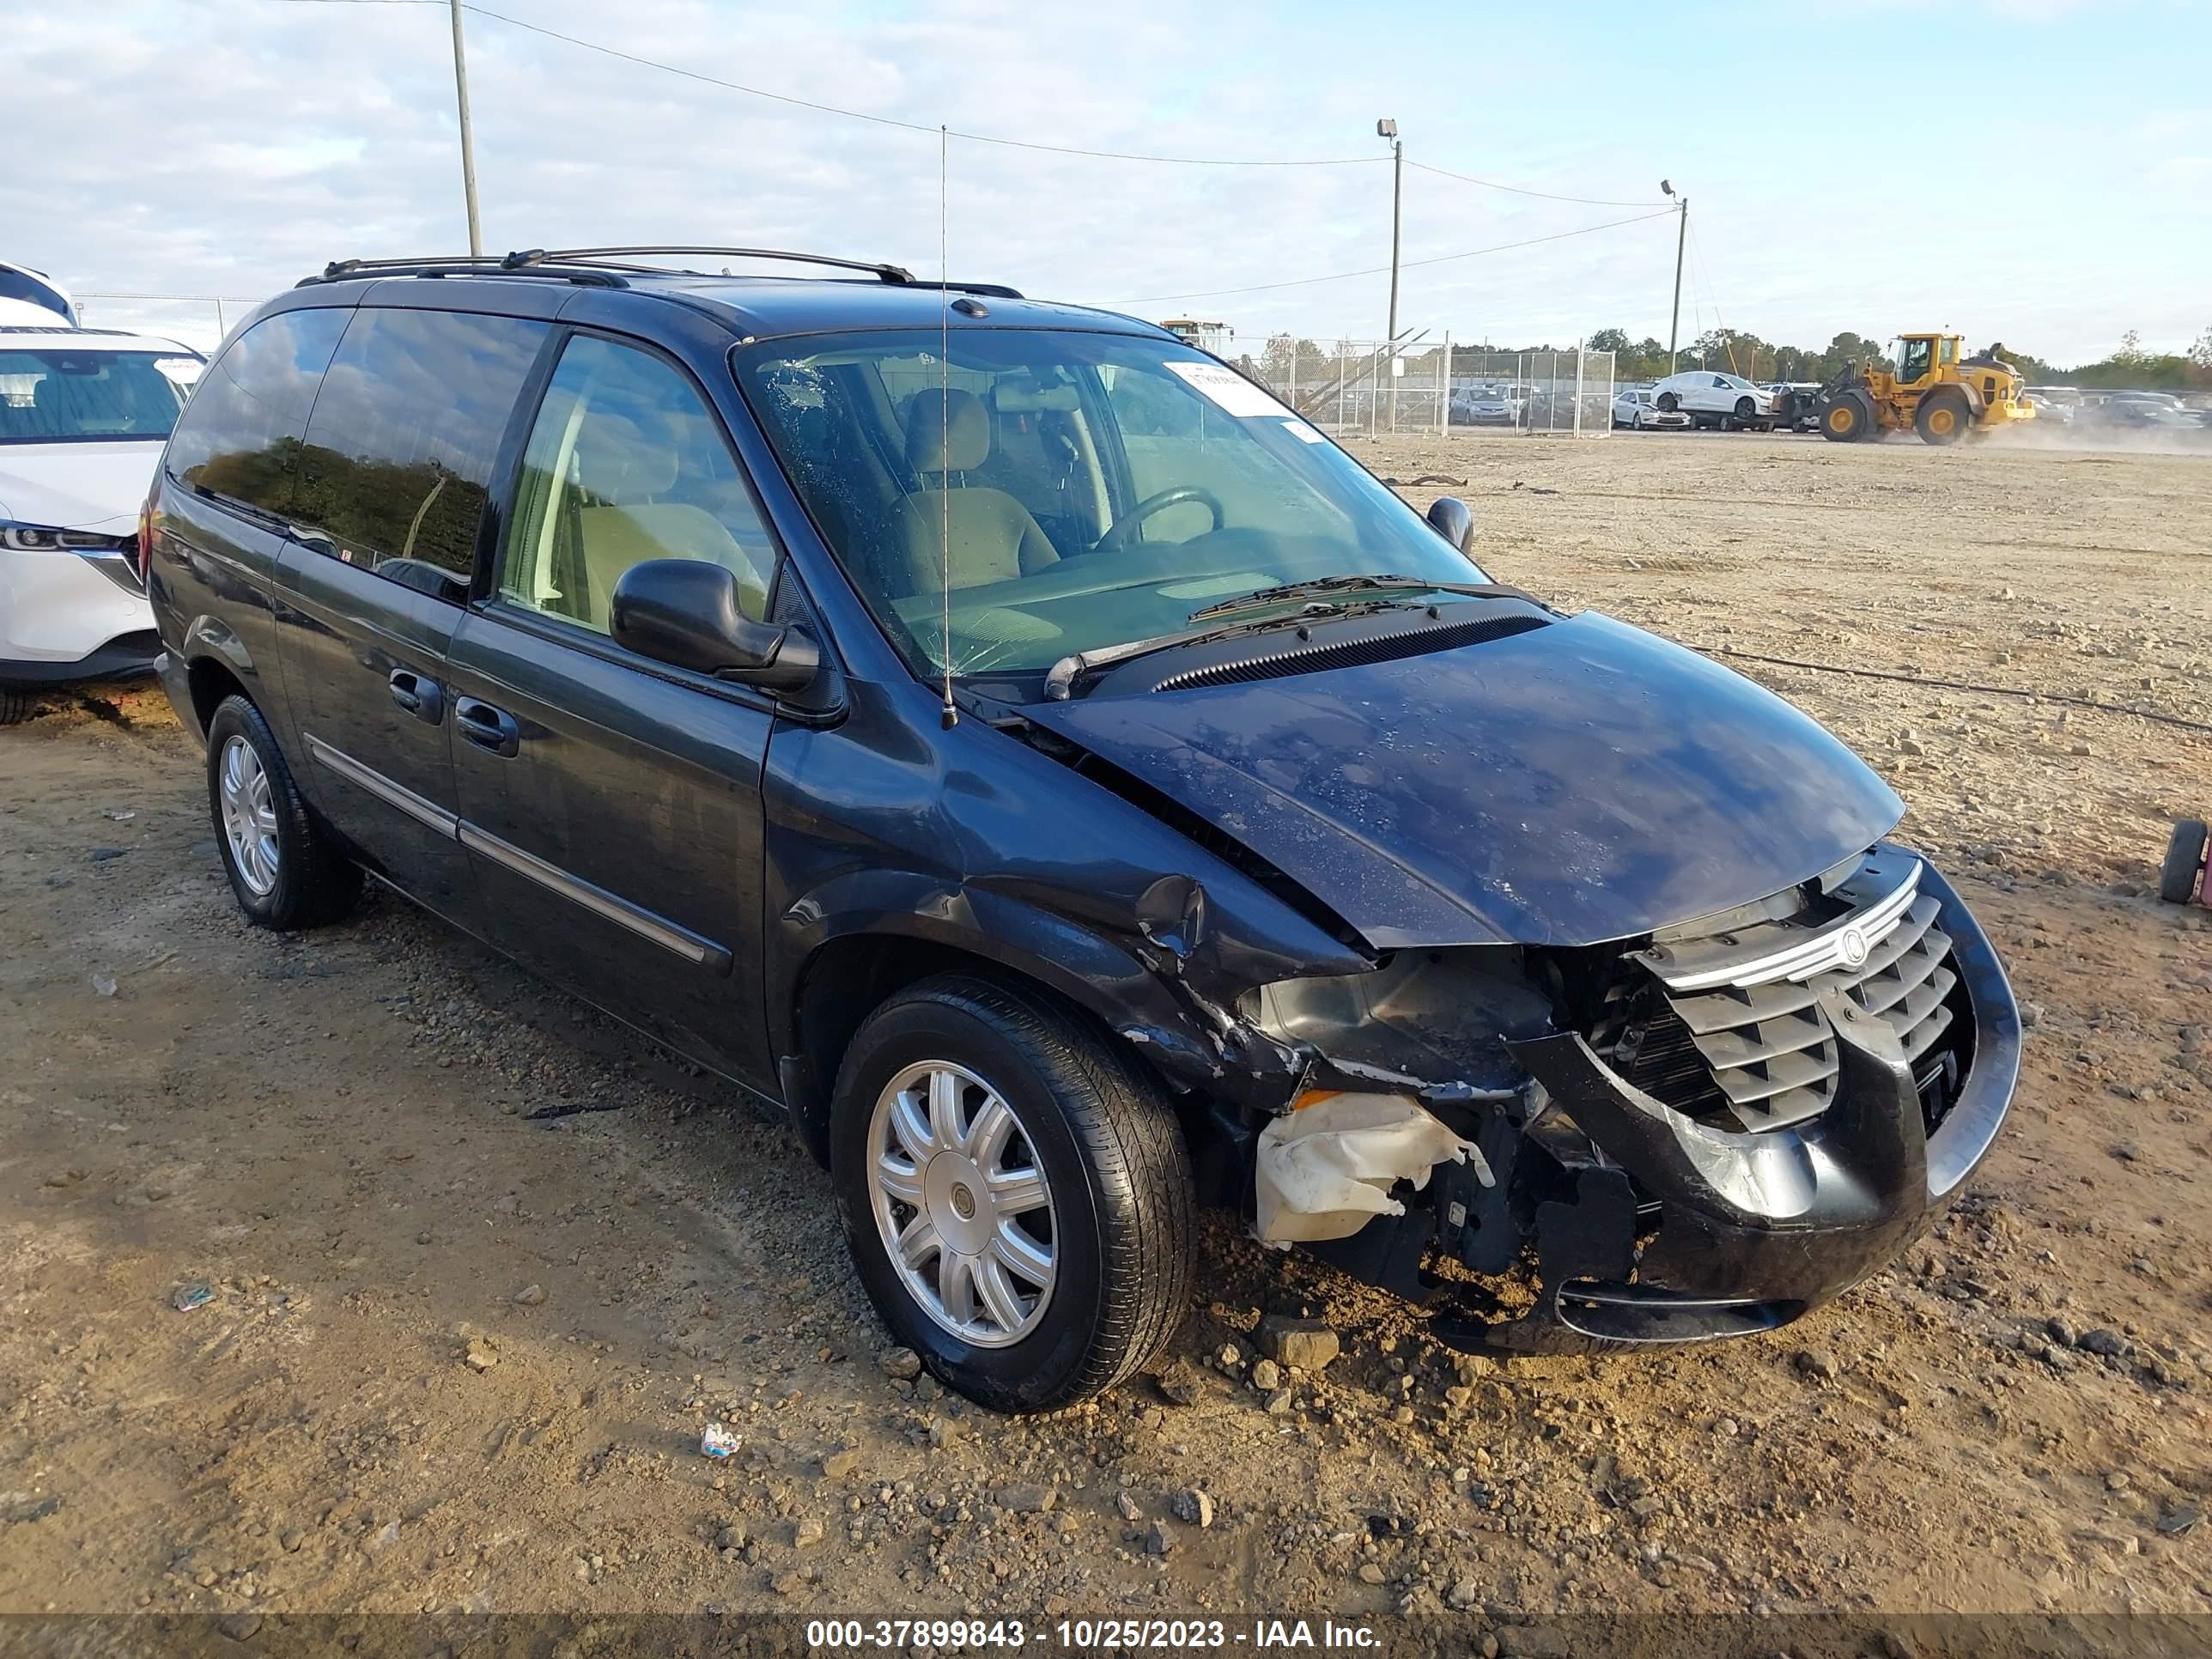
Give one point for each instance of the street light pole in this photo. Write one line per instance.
(468, 139)
(1682, 236)
(1386, 128)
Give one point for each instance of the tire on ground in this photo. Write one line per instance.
(315, 882)
(1943, 417)
(2185, 856)
(1101, 1131)
(17, 704)
(1848, 417)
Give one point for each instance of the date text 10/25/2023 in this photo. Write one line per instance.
(1163, 1635)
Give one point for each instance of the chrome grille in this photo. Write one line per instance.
(1769, 1057)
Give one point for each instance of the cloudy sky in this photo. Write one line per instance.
(2033, 170)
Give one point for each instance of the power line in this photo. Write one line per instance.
(1517, 190)
(1376, 271)
(878, 120)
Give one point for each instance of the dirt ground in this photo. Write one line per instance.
(377, 1144)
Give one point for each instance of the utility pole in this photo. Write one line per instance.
(468, 139)
(1386, 128)
(1682, 236)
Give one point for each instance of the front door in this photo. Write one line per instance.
(611, 806)
(387, 502)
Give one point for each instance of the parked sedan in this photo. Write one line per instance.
(1726, 401)
(1489, 405)
(2143, 412)
(1633, 407)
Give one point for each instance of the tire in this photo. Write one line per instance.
(1120, 1215)
(1746, 411)
(312, 882)
(2184, 857)
(1670, 401)
(17, 704)
(1848, 418)
(1943, 417)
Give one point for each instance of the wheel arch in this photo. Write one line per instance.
(844, 952)
(217, 665)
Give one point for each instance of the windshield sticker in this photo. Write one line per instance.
(1228, 389)
(1303, 433)
(183, 370)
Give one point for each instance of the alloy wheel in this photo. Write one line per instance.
(962, 1203)
(249, 816)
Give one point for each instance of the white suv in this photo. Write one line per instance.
(83, 415)
(1712, 399)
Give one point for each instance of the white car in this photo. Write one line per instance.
(1712, 399)
(83, 416)
(28, 296)
(1635, 407)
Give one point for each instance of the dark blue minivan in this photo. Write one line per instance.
(1075, 791)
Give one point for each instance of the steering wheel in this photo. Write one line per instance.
(1118, 531)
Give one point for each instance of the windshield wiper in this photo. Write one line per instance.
(1322, 584)
(1059, 680)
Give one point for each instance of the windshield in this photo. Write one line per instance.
(53, 394)
(1072, 490)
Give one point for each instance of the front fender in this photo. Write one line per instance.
(1080, 962)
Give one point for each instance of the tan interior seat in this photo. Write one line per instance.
(992, 536)
(625, 472)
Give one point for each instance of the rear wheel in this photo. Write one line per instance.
(285, 869)
(2184, 857)
(17, 704)
(1015, 1191)
(1942, 416)
(1669, 401)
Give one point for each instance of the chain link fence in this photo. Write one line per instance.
(1427, 384)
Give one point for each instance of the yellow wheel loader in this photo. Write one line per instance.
(1936, 391)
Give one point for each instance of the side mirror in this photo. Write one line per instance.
(684, 612)
(1450, 519)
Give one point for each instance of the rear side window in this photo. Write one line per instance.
(239, 437)
(398, 458)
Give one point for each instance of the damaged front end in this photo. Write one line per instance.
(1697, 1133)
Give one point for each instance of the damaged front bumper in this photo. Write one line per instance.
(1669, 1228)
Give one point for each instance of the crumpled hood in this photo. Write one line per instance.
(78, 486)
(1574, 784)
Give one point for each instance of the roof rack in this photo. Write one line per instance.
(601, 267)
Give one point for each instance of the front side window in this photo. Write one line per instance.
(1914, 362)
(239, 437)
(1065, 491)
(397, 461)
(626, 463)
(53, 394)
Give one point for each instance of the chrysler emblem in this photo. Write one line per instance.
(1853, 948)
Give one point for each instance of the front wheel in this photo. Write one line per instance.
(17, 704)
(284, 869)
(1016, 1193)
(2184, 857)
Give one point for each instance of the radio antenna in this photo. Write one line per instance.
(951, 716)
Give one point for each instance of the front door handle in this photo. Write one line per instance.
(487, 727)
(418, 694)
